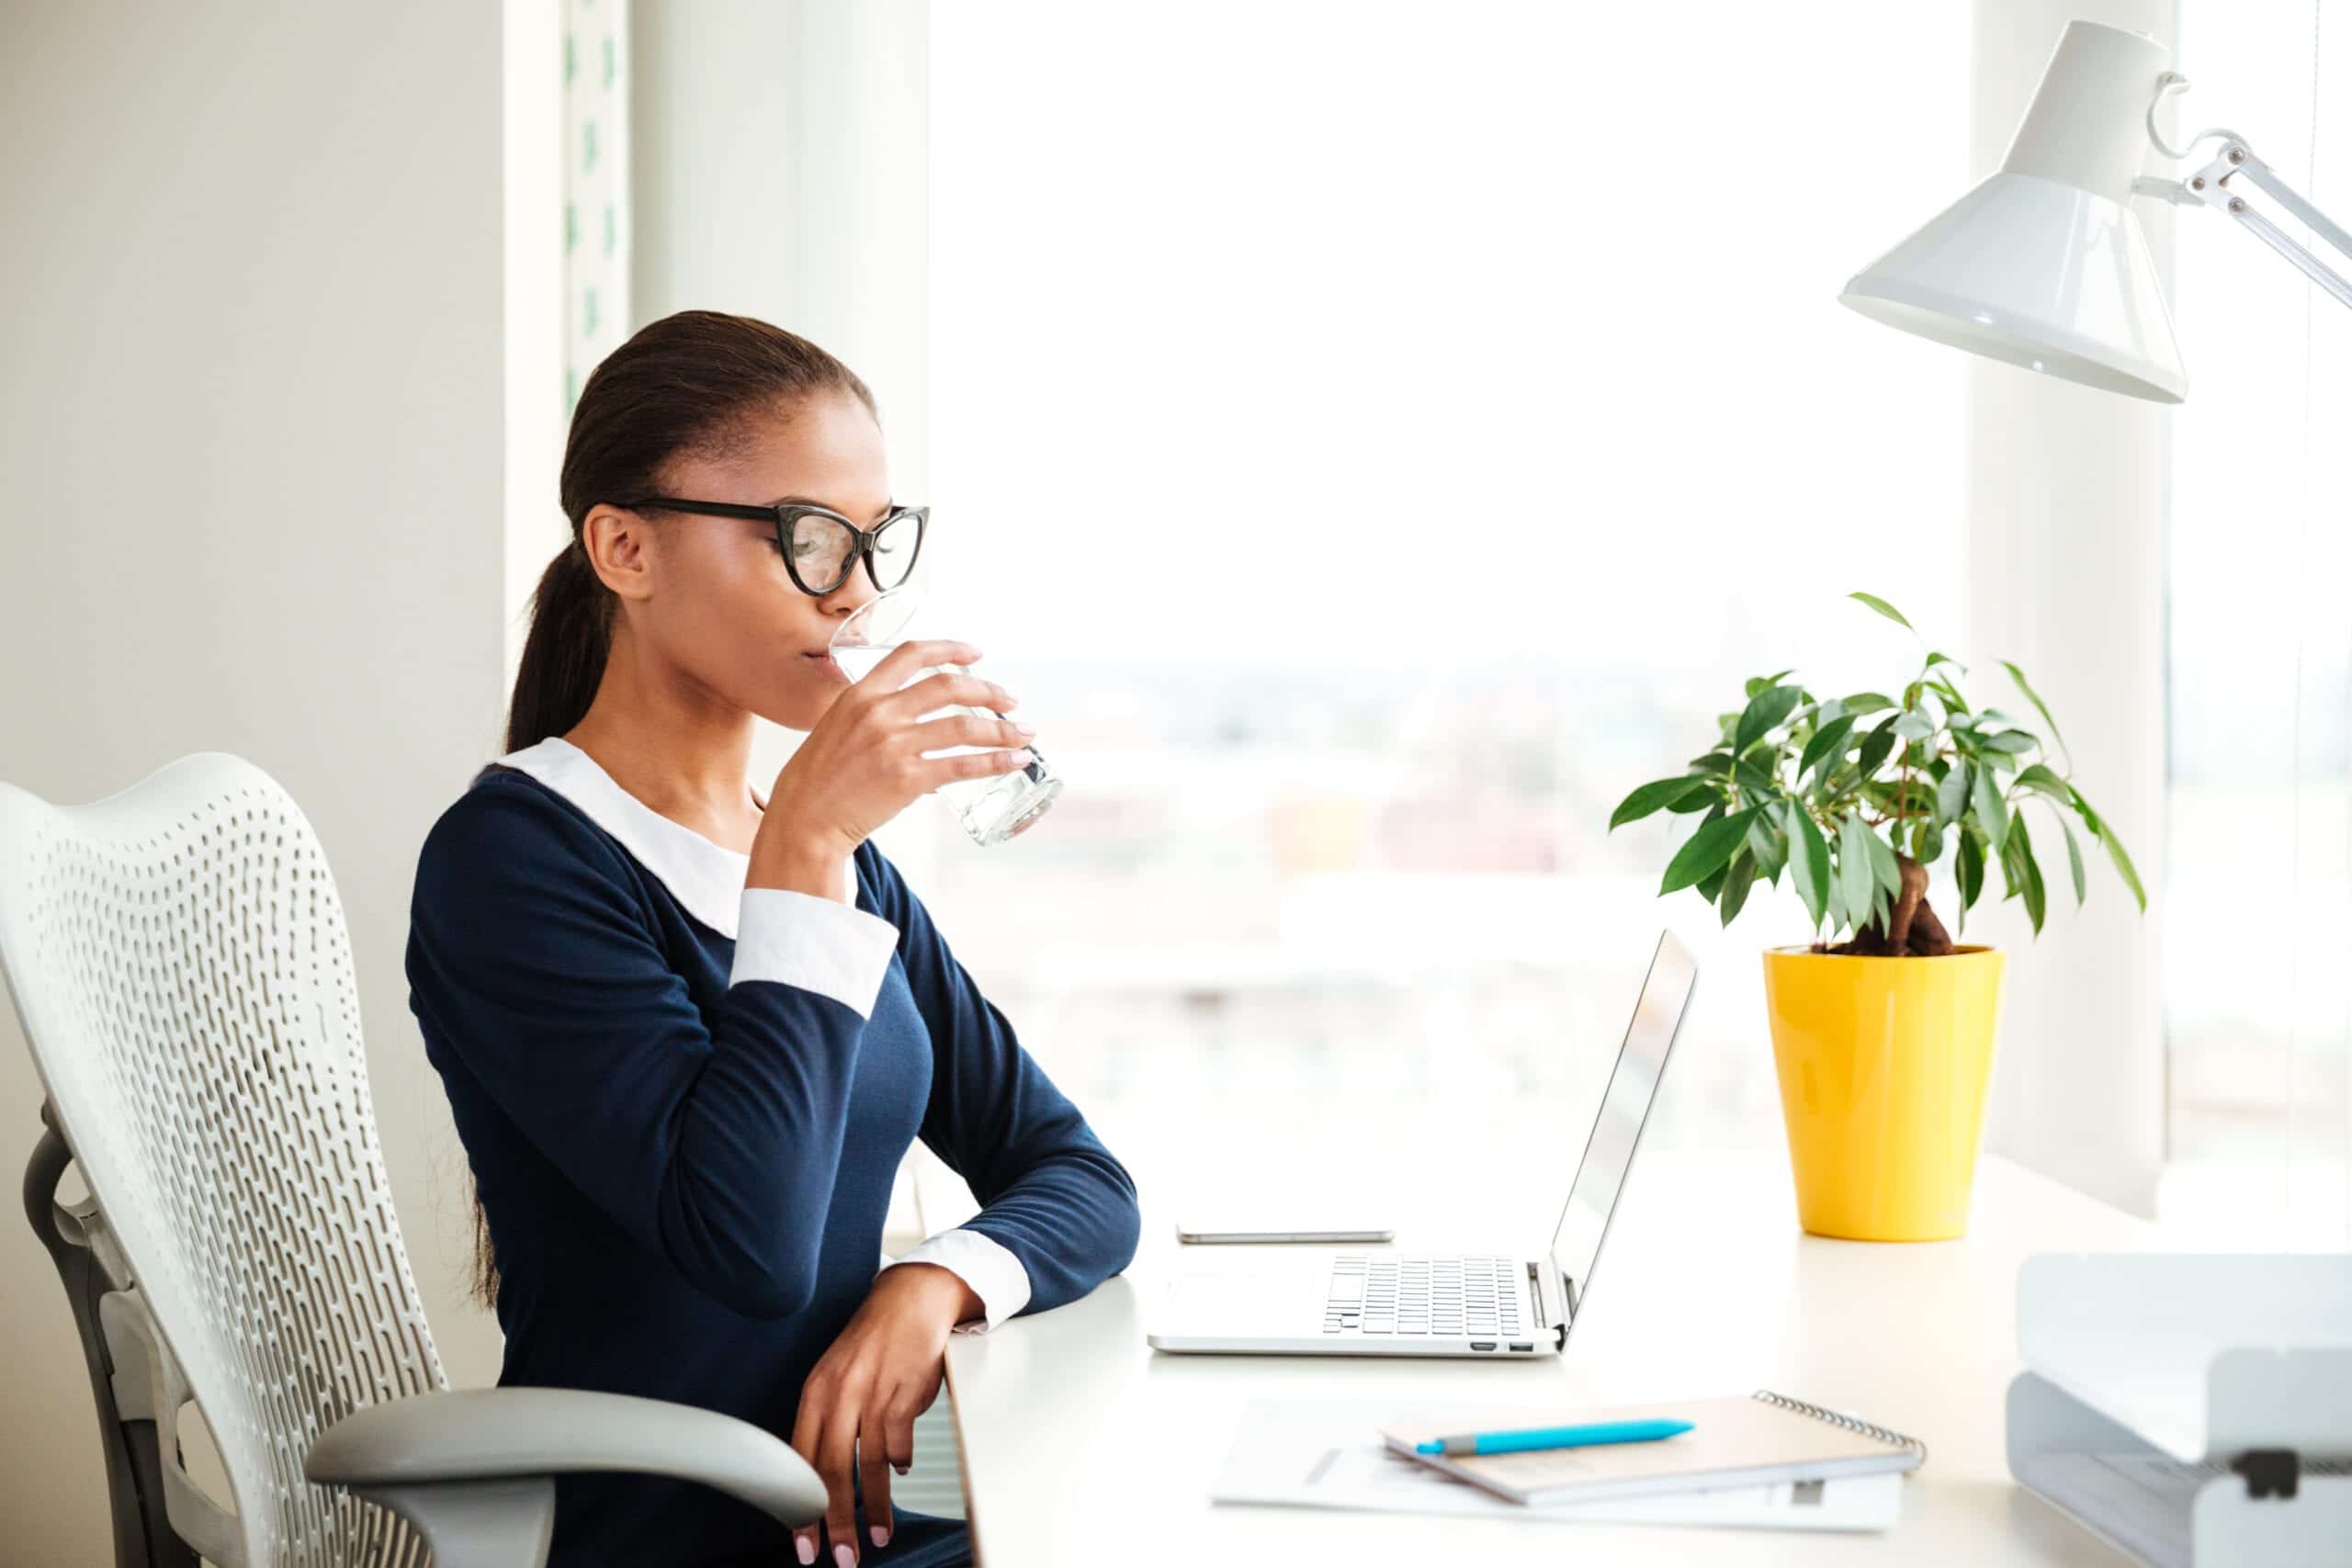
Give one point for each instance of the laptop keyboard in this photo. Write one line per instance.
(1423, 1295)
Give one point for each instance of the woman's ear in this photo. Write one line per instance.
(615, 541)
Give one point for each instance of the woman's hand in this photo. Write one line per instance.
(859, 1406)
(863, 763)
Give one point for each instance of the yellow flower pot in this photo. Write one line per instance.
(1884, 1064)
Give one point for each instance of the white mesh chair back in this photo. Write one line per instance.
(178, 958)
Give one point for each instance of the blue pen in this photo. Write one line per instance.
(1553, 1438)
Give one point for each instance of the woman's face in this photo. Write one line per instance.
(717, 603)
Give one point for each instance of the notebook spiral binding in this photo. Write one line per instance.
(1884, 1434)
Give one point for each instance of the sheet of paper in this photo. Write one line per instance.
(1327, 1454)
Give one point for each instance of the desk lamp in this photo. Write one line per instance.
(2043, 263)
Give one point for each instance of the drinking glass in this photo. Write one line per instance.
(991, 809)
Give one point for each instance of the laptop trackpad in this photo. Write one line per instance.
(1240, 1301)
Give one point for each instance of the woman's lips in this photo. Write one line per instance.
(832, 664)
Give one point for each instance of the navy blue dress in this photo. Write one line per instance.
(685, 1171)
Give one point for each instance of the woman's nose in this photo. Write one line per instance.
(856, 591)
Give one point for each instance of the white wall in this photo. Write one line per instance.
(250, 420)
(2066, 494)
(782, 161)
(534, 153)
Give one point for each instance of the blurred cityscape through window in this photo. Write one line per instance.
(1370, 448)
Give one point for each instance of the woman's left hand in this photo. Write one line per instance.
(859, 1406)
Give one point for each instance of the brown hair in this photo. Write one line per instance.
(688, 384)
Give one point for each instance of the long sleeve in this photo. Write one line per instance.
(715, 1144)
(1050, 1193)
(994, 1274)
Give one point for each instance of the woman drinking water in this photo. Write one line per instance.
(689, 1029)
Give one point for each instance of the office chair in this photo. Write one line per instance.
(179, 962)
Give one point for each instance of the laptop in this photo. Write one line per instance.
(1378, 1301)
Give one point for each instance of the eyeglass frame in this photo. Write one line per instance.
(783, 515)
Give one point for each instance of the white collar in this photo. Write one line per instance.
(707, 878)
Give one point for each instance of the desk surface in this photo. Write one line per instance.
(1082, 1445)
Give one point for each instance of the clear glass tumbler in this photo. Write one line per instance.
(990, 809)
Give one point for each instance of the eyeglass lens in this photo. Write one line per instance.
(823, 551)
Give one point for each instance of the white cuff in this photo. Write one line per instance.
(819, 944)
(983, 1263)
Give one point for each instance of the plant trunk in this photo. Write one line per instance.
(1911, 930)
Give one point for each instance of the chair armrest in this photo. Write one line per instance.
(496, 1433)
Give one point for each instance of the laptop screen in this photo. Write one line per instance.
(1624, 1107)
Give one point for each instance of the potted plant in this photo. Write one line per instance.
(1884, 1040)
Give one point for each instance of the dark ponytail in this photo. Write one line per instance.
(686, 385)
(563, 658)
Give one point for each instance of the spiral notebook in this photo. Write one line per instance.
(1764, 1438)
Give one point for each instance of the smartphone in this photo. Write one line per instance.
(1219, 1230)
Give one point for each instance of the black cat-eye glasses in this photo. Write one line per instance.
(820, 546)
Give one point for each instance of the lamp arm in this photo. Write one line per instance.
(2167, 83)
(2210, 186)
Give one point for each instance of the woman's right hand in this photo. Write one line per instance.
(863, 762)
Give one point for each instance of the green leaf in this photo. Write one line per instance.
(1653, 796)
(2012, 869)
(1707, 850)
(1764, 710)
(2090, 818)
(1739, 877)
(1768, 844)
(1951, 795)
(1969, 863)
(1765, 683)
(2115, 851)
(1697, 800)
(1836, 912)
(2035, 698)
(1875, 745)
(1755, 780)
(2022, 845)
(1884, 608)
(1883, 866)
(1914, 726)
(1829, 742)
(2124, 867)
(1717, 762)
(1855, 877)
(1918, 794)
(1992, 813)
(2009, 740)
(2039, 778)
(1867, 702)
(1936, 659)
(2073, 859)
(1927, 841)
(1808, 862)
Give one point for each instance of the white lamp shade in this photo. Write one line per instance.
(2042, 265)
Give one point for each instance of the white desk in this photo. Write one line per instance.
(1083, 1446)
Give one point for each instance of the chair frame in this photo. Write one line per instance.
(143, 1536)
(470, 1472)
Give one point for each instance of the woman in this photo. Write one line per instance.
(687, 1033)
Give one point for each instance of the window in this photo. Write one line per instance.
(1370, 448)
(2258, 996)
